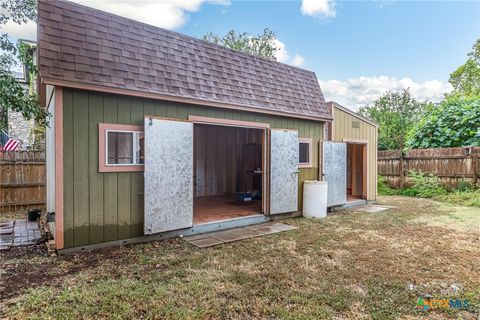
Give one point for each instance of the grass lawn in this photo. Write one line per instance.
(350, 265)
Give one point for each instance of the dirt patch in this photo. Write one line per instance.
(30, 267)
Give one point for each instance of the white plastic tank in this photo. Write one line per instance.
(315, 199)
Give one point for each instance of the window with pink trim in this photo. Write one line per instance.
(120, 148)
(305, 153)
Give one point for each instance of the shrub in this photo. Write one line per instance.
(466, 198)
(464, 186)
(383, 188)
(455, 122)
(425, 185)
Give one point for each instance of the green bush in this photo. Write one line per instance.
(464, 186)
(455, 122)
(425, 185)
(383, 188)
(467, 198)
(409, 192)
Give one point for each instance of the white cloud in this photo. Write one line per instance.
(282, 53)
(26, 31)
(298, 60)
(169, 14)
(283, 56)
(355, 93)
(319, 8)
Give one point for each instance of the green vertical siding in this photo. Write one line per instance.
(101, 207)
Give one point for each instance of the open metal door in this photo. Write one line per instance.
(283, 171)
(334, 166)
(168, 175)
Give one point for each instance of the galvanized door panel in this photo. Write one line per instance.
(168, 175)
(334, 155)
(283, 171)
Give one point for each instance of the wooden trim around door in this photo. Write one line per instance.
(228, 122)
(365, 159)
(355, 141)
(58, 125)
(266, 175)
(365, 170)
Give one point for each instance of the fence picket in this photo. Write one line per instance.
(22, 180)
(451, 165)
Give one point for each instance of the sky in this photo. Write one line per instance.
(358, 49)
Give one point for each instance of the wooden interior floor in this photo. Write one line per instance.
(215, 208)
(353, 198)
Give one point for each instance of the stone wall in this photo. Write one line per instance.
(20, 129)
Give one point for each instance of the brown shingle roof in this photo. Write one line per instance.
(82, 45)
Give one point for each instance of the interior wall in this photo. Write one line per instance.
(357, 170)
(222, 157)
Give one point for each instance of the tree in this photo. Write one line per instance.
(262, 45)
(396, 113)
(455, 122)
(12, 95)
(466, 79)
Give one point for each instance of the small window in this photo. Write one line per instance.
(124, 148)
(305, 153)
(120, 148)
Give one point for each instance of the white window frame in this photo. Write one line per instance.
(308, 164)
(134, 148)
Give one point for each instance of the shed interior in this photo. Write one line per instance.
(228, 172)
(356, 171)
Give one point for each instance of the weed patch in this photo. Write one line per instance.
(466, 198)
(425, 185)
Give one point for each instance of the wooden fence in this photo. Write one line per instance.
(22, 180)
(450, 165)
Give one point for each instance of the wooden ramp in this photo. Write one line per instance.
(236, 234)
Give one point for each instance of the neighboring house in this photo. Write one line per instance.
(156, 134)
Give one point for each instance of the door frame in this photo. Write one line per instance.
(265, 131)
(364, 144)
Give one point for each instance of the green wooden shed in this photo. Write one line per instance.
(155, 134)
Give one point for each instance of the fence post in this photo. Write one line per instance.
(475, 169)
(402, 178)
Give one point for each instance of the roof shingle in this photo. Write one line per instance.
(82, 45)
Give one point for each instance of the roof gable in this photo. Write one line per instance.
(85, 46)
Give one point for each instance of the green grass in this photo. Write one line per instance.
(350, 265)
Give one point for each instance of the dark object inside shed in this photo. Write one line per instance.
(34, 214)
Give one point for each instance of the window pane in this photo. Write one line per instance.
(120, 148)
(139, 152)
(304, 152)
